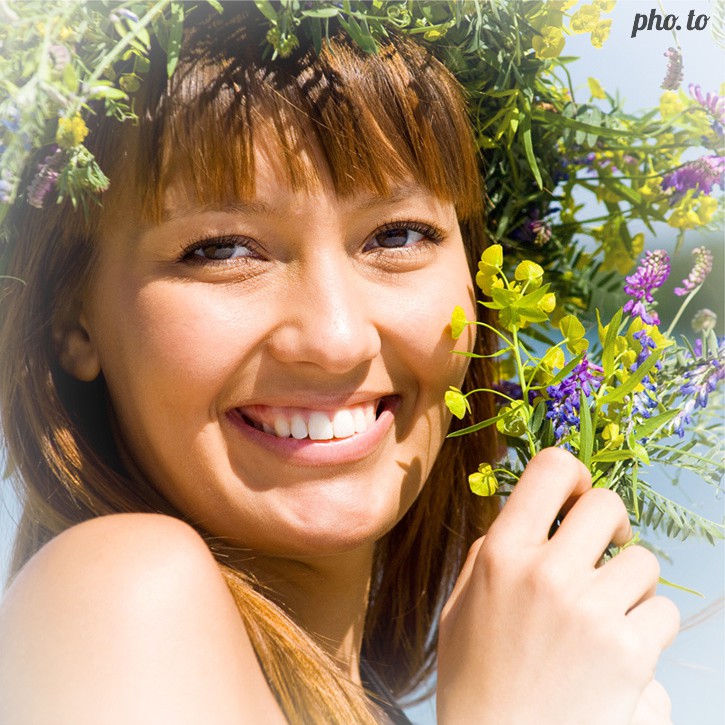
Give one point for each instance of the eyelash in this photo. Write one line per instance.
(430, 235)
(224, 240)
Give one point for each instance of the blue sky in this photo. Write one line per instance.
(693, 669)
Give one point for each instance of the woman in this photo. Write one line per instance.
(243, 356)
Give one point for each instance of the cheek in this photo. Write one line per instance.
(423, 327)
(171, 344)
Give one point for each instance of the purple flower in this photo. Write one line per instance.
(700, 381)
(712, 103)
(700, 175)
(675, 70)
(652, 272)
(564, 398)
(44, 181)
(701, 267)
(534, 230)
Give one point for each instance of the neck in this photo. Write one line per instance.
(327, 596)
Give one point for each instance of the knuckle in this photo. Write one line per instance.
(608, 500)
(647, 563)
(671, 614)
(556, 457)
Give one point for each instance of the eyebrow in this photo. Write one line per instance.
(257, 206)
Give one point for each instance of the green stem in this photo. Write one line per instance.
(681, 310)
(524, 389)
(123, 44)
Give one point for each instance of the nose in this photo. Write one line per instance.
(327, 316)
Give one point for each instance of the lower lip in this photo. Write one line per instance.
(331, 452)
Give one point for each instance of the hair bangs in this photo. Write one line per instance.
(372, 120)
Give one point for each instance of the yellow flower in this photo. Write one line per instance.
(706, 209)
(547, 302)
(606, 6)
(484, 481)
(670, 104)
(71, 132)
(585, 19)
(549, 44)
(528, 271)
(601, 32)
(456, 402)
(616, 255)
(458, 322)
(562, 5)
(554, 358)
(611, 434)
(692, 212)
(595, 88)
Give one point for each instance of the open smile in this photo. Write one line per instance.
(318, 437)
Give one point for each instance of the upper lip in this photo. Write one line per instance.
(315, 401)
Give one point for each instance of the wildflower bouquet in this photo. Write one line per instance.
(621, 406)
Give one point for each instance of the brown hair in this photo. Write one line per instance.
(373, 116)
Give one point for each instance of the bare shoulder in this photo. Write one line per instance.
(126, 618)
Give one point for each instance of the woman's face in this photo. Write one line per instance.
(277, 366)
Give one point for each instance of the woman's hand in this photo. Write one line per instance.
(536, 631)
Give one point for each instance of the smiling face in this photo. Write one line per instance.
(277, 365)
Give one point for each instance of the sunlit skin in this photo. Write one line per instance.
(311, 312)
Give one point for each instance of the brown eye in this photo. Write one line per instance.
(220, 249)
(392, 238)
(403, 235)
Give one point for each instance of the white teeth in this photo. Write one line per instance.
(361, 425)
(343, 424)
(370, 414)
(320, 427)
(281, 427)
(298, 427)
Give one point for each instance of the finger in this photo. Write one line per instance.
(629, 578)
(657, 621)
(597, 519)
(551, 478)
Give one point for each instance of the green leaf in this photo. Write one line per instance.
(608, 347)
(633, 381)
(611, 456)
(586, 432)
(667, 583)
(473, 428)
(538, 417)
(267, 9)
(529, 149)
(646, 429)
(176, 31)
(321, 13)
(361, 36)
(109, 92)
